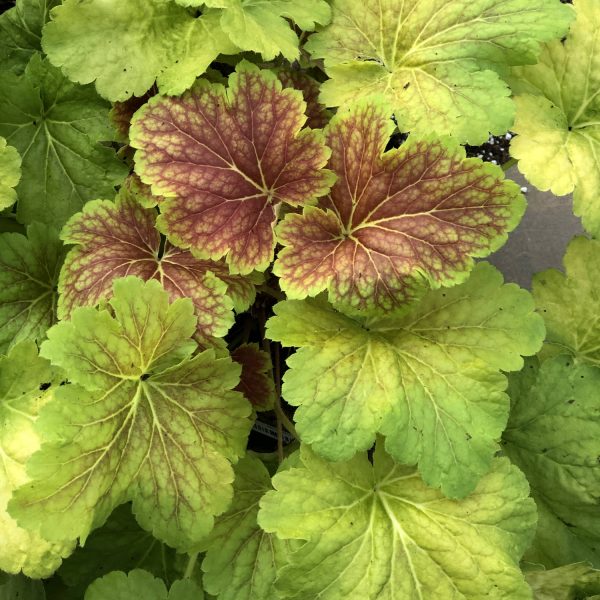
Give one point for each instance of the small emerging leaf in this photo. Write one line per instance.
(10, 174)
(256, 380)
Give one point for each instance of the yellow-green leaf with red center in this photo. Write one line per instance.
(116, 239)
(393, 219)
(225, 159)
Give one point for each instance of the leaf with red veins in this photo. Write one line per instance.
(256, 381)
(121, 113)
(225, 159)
(116, 239)
(393, 220)
(317, 114)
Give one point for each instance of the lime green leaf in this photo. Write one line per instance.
(115, 239)
(141, 421)
(139, 584)
(10, 174)
(379, 531)
(429, 380)
(119, 544)
(21, 32)
(435, 60)
(393, 219)
(126, 46)
(558, 117)
(578, 581)
(259, 26)
(553, 435)
(241, 559)
(29, 269)
(570, 303)
(25, 382)
(226, 159)
(56, 127)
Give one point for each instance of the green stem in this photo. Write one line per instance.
(189, 570)
(508, 164)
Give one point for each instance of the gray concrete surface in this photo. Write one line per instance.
(540, 240)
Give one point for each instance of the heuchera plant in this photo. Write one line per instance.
(222, 220)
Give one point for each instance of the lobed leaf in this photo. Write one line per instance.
(141, 584)
(29, 270)
(10, 174)
(116, 239)
(126, 46)
(141, 421)
(225, 159)
(394, 218)
(256, 380)
(429, 380)
(56, 127)
(565, 583)
(438, 62)
(378, 530)
(21, 32)
(558, 116)
(25, 386)
(241, 559)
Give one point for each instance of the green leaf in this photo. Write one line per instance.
(571, 582)
(119, 544)
(141, 421)
(56, 127)
(553, 435)
(25, 385)
(29, 269)
(436, 61)
(241, 559)
(428, 380)
(10, 174)
(141, 584)
(226, 159)
(17, 587)
(21, 32)
(570, 303)
(115, 239)
(393, 220)
(125, 46)
(258, 26)
(379, 531)
(558, 116)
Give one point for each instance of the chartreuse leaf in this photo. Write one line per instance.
(125, 46)
(558, 116)
(25, 382)
(29, 269)
(393, 218)
(256, 380)
(119, 544)
(141, 584)
(379, 531)
(241, 559)
(259, 26)
(115, 239)
(141, 421)
(429, 380)
(570, 303)
(571, 582)
(21, 32)
(553, 435)
(437, 61)
(56, 127)
(226, 159)
(10, 174)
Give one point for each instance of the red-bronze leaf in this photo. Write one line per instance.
(256, 381)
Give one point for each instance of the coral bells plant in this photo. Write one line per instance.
(250, 346)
